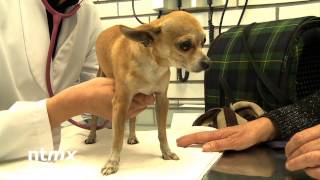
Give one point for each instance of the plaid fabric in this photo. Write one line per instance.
(277, 48)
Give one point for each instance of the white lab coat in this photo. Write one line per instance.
(24, 42)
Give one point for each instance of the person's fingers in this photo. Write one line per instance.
(149, 100)
(139, 103)
(310, 159)
(134, 112)
(305, 148)
(203, 137)
(220, 145)
(313, 172)
(237, 141)
(141, 99)
(301, 138)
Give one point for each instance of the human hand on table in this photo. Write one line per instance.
(303, 152)
(232, 138)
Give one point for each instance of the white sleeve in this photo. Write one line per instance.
(24, 127)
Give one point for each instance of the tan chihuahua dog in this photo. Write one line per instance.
(139, 59)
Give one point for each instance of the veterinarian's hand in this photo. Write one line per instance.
(232, 138)
(303, 152)
(93, 96)
(139, 103)
(99, 98)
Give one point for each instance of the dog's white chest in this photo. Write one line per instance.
(155, 82)
(151, 90)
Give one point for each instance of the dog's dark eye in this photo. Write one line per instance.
(186, 45)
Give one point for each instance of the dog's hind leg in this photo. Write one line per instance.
(162, 104)
(120, 106)
(132, 139)
(93, 127)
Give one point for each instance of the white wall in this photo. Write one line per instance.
(120, 12)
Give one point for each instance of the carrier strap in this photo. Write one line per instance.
(225, 92)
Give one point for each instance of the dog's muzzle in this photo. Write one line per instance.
(204, 65)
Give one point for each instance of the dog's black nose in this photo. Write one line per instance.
(204, 65)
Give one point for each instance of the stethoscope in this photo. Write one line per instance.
(57, 18)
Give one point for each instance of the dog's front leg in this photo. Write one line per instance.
(120, 103)
(162, 104)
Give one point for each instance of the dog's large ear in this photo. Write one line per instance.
(146, 34)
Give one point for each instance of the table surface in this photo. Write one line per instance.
(259, 162)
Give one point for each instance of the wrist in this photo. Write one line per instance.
(53, 111)
(63, 106)
(268, 129)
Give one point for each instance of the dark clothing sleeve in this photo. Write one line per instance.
(301, 115)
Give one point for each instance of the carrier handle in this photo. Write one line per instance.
(272, 88)
(210, 114)
(225, 91)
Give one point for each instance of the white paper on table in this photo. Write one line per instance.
(140, 161)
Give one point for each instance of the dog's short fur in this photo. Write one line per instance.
(139, 59)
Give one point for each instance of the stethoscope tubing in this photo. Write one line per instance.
(57, 18)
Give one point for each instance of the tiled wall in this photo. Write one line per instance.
(120, 12)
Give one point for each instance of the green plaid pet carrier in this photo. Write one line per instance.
(272, 63)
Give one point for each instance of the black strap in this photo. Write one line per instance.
(182, 78)
(179, 4)
(210, 24)
(134, 13)
(210, 114)
(159, 14)
(230, 117)
(247, 113)
(222, 96)
(272, 88)
(225, 92)
(269, 100)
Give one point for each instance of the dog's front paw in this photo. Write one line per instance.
(90, 140)
(132, 140)
(170, 156)
(110, 167)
